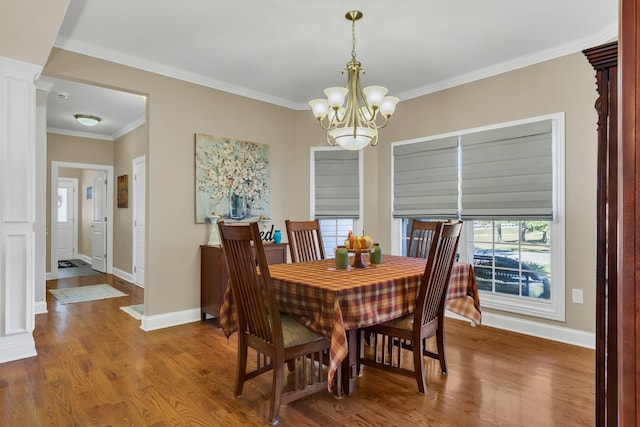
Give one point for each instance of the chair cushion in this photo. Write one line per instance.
(294, 333)
(404, 323)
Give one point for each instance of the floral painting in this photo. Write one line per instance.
(232, 179)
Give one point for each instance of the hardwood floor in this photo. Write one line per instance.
(96, 367)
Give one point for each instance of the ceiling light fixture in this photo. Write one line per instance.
(355, 125)
(87, 120)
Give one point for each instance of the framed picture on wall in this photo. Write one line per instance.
(123, 191)
(232, 179)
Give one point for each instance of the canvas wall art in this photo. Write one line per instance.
(232, 179)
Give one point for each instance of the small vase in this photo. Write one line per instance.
(277, 236)
(342, 257)
(376, 255)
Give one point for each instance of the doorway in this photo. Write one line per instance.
(67, 225)
(101, 215)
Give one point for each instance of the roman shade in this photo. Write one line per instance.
(425, 179)
(508, 172)
(337, 183)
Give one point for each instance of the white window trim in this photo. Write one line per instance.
(555, 308)
(312, 184)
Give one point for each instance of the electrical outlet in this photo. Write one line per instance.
(577, 296)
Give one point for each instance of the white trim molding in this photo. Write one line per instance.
(535, 329)
(167, 320)
(17, 208)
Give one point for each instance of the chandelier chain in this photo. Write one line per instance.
(353, 39)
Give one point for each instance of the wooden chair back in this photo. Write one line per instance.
(421, 237)
(258, 314)
(305, 240)
(435, 282)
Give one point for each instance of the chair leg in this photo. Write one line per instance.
(276, 392)
(441, 355)
(418, 366)
(241, 370)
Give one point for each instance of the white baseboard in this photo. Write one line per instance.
(49, 276)
(536, 329)
(167, 320)
(85, 258)
(123, 275)
(16, 347)
(40, 307)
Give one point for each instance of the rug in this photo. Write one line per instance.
(135, 311)
(66, 264)
(86, 293)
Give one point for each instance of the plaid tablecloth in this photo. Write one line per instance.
(331, 301)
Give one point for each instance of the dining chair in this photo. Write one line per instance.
(277, 338)
(305, 240)
(421, 237)
(411, 331)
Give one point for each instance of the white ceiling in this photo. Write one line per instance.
(287, 51)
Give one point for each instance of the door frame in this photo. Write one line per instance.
(136, 199)
(76, 199)
(53, 232)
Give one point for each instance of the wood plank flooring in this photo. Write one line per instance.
(96, 367)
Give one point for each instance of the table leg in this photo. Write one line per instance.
(350, 364)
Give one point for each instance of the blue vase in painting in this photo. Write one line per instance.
(237, 204)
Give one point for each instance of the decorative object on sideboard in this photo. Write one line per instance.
(355, 125)
(212, 229)
(277, 236)
(231, 178)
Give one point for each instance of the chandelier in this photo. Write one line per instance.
(354, 125)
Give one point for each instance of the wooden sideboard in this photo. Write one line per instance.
(214, 275)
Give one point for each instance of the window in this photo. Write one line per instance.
(336, 193)
(513, 257)
(334, 233)
(509, 191)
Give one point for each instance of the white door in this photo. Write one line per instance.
(99, 223)
(139, 210)
(67, 218)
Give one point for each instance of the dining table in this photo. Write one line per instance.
(337, 302)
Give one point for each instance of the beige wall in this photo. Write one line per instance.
(177, 110)
(128, 147)
(28, 28)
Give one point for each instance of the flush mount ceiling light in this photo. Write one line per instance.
(87, 120)
(355, 125)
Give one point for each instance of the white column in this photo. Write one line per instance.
(17, 207)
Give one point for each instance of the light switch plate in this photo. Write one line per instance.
(577, 296)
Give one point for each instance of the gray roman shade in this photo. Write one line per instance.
(337, 184)
(508, 172)
(425, 179)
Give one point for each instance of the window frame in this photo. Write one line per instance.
(555, 307)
